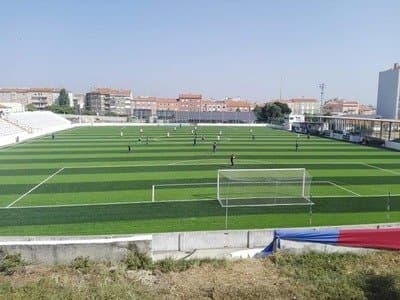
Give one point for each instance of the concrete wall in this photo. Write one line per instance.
(189, 241)
(63, 251)
(234, 239)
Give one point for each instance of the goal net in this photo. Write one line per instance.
(263, 187)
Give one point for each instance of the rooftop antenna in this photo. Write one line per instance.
(322, 88)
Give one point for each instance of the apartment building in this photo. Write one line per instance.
(109, 101)
(190, 102)
(39, 97)
(238, 105)
(338, 106)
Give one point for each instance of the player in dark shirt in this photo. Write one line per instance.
(232, 158)
(214, 147)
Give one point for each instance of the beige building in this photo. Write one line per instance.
(341, 107)
(39, 97)
(238, 105)
(367, 110)
(79, 101)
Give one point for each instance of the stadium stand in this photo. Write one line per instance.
(37, 121)
(18, 127)
(7, 128)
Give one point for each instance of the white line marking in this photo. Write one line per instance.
(382, 169)
(215, 162)
(109, 203)
(35, 187)
(347, 196)
(167, 201)
(170, 164)
(343, 188)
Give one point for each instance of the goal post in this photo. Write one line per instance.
(263, 187)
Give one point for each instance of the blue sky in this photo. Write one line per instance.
(217, 48)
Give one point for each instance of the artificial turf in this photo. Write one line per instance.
(101, 188)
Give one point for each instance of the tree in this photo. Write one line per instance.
(60, 109)
(63, 98)
(284, 108)
(273, 111)
(30, 107)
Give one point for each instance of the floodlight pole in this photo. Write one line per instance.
(322, 88)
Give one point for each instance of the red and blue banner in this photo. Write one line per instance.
(385, 238)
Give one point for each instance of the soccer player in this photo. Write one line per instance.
(175, 128)
(147, 140)
(297, 146)
(53, 136)
(232, 158)
(218, 137)
(253, 137)
(220, 132)
(122, 133)
(308, 136)
(141, 130)
(168, 134)
(129, 148)
(214, 147)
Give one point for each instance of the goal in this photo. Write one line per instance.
(263, 187)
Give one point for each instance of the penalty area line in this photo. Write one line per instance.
(343, 188)
(35, 187)
(382, 169)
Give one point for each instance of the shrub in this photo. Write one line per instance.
(138, 261)
(81, 263)
(10, 263)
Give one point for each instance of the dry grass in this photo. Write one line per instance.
(283, 276)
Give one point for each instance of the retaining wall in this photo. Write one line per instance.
(63, 251)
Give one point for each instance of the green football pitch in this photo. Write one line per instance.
(85, 181)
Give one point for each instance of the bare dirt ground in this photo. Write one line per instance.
(283, 276)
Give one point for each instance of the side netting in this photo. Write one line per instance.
(263, 187)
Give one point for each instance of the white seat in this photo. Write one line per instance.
(38, 119)
(7, 128)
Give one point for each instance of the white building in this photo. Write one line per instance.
(301, 106)
(388, 103)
